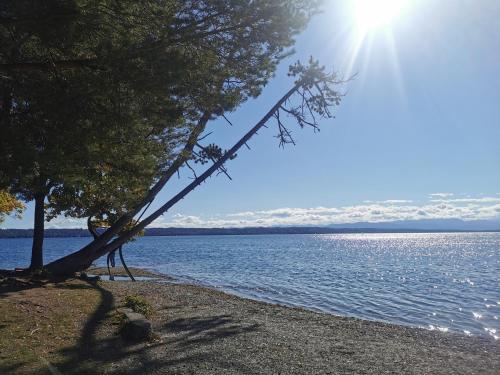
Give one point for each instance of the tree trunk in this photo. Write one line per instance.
(91, 228)
(37, 248)
(82, 259)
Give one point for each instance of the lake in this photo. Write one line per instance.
(439, 281)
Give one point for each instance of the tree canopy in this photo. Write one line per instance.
(103, 101)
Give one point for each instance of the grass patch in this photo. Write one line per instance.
(42, 323)
(139, 305)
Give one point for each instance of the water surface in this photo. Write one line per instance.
(443, 281)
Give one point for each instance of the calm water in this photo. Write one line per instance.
(443, 281)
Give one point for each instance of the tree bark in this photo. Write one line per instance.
(37, 248)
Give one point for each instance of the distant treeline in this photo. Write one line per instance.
(26, 233)
(20, 233)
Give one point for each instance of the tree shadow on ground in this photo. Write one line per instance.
(181, 343)
(106, 351)
(205, 330)
(13, 284)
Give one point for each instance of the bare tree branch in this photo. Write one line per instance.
(191, 168)
(225, 118)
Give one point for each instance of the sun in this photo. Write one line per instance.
(376, 14)
(375, 24)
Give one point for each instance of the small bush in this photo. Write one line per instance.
(139, 305)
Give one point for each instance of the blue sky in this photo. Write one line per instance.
(421, 117)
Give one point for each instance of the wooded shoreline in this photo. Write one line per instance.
(77, 232)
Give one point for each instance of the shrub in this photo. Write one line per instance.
(139, 305)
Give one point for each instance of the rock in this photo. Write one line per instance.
(136, 327)
(84, 276)
(123, 310)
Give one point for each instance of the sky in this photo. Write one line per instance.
(417, 135)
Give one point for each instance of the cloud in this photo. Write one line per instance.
(62, 222)
(391, 201)
(396, 201)
(441, 195)
(469, 200)
(368, 211)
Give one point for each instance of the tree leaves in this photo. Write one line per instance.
(9, 206)
(102, 99)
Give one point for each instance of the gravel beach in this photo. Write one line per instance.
(204, 331)
(72, 327)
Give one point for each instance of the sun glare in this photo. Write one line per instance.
(374, 14)
(373, 25)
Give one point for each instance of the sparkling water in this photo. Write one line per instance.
(439, 281)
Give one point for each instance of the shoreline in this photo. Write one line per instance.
(13, 233)
(156, 276)
(203, 330)
(298, 340)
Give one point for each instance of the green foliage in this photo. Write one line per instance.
(98, 98)
(209, 153)
(139, 305)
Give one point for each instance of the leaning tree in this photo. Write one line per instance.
(141, 79)
(107, 74)
(312, 97)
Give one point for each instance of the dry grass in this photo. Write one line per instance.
(42, 322)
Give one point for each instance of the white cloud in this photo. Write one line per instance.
(368, 211)
(469, 200)
(391, 201)
(441, 195)
(62, 222)
(396, 201)
(382, 211)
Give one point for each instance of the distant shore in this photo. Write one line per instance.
(78, 232)
(204, 331)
